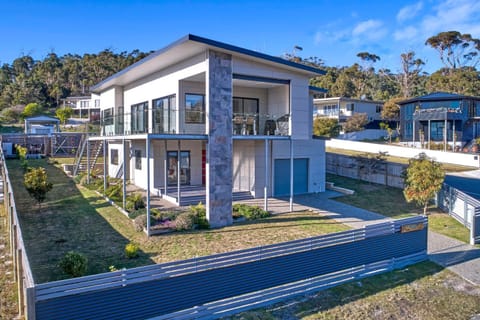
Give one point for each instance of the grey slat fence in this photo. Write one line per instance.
(222, 284)
(463, 208)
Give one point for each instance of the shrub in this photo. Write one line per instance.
(185, 221)
(131, 250)
(37, 184)
(134, 202)
(22, 152)
(74, 264)
(200, 214)
(136, 213)
(114, 192)
(140, 222)
(249, 212)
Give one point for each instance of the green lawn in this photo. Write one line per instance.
(390, 202)
(422, 291)
(75, 218)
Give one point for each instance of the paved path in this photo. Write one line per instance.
(459, 257)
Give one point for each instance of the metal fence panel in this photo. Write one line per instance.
(175, 293)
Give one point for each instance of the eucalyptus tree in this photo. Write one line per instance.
(456, 50)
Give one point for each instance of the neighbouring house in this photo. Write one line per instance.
(440, 117)
(42, 125)
(84, 106)
(205, 115)
(342, 108)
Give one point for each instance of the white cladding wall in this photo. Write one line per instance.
(162, 84)
(195, 88)
(157, 169)
(113, 169)
(244, 165)
(365, 107)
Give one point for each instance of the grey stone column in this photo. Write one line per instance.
(219, 148)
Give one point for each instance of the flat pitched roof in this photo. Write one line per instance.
(184, 48)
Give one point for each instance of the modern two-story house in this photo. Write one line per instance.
(440, 117)
(212, 115)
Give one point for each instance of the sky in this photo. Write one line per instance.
(334, 31)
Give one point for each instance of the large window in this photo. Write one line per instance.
(194, 108)
(107, 116)
(164, 114)
(245, 105)
(140, 117)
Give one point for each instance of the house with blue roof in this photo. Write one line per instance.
(220, 119)
(440, 117)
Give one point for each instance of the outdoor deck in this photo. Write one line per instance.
(191, 195)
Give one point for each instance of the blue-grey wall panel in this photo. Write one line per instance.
(154, 298)
(282, 176)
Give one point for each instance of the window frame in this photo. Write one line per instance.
(138, 159)
(114, 157)
(192, 109)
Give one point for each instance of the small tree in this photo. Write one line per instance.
(386, 127)
(423, 179)
(31, 109)
(327, 127)
(64, 114)
(37, 185)
(356, 122)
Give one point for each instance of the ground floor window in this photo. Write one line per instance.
(138, 159)
(114, 156)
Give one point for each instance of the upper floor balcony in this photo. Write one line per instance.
(174, 122)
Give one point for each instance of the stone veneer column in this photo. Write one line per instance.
(219, 147)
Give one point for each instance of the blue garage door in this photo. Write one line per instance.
(282, 177)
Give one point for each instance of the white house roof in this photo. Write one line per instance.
(345, 99)
(189, 46)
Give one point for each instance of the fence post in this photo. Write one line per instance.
(19, 271)
(30, 300)
(13, 248)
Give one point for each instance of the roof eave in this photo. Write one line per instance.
(109, 82)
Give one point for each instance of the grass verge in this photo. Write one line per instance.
(422, 291)
(8, 288)
(390, 202)
(75, 218)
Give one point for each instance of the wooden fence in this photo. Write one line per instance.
(21, 267)
(55, 145)
(463, 208)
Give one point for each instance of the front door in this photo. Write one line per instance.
(172, 159)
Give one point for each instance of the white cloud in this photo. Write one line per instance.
(458, 15)
(369, 30)
(407, 33)
(409, 12)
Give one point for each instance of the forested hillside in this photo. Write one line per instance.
(47, 81)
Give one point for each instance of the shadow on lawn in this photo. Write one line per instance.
(324, 300)
(73, 223)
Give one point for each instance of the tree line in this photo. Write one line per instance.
(45, 82)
